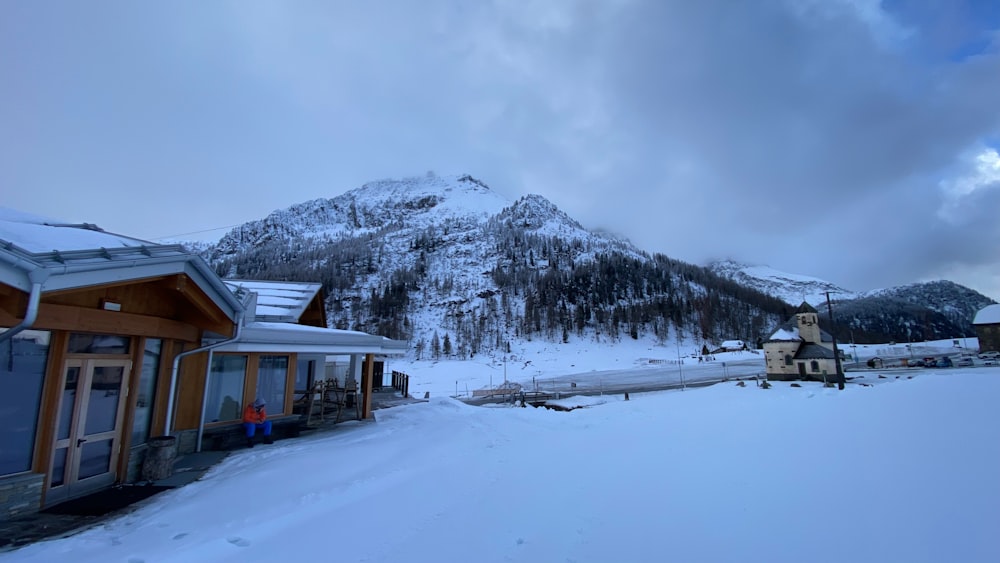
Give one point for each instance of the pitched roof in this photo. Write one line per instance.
(805, 307)
(814, 352)
(63, 256)
(988, 315)
(278, 301)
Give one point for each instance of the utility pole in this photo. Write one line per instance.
(680, 362)
(836, 353)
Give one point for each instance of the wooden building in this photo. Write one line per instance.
(987, 325)
(107, 341)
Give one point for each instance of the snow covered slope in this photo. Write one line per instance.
(791, 288)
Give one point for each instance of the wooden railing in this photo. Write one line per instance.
(401, 383)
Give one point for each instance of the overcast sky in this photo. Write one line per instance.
(852, 140)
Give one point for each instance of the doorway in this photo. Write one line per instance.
(88, 431)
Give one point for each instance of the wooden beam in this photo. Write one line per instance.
(197, 297)
(65, 317)
(105, 286)
(366, 386)
(48, 414)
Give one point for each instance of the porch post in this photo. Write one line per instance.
(366, 386)
(354, 370)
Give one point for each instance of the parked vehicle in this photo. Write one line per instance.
(944, 362)
(964, 362)
(991, 355)
(916, 363)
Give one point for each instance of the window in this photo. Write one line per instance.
(272, 373)
(305, 374)
(22, 371)
(788, 359)
(145, 393)
(225, 388)
(98, 344)
(814, 365)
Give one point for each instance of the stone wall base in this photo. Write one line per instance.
(20, 494)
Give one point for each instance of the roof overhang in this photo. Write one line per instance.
(90, 268)
(288, 338)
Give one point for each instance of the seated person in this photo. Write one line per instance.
(254, 418)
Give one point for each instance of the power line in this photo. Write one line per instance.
(196, 232)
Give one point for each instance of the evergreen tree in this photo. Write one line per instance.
(435, 346)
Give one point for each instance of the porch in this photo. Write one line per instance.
(77, 515)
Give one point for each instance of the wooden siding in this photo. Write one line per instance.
(190, 391)
(169, 308)
(48, 414)
(315, 312)
(191, 387)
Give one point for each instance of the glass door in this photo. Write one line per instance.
(88, 433)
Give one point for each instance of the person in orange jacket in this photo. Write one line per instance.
(255, 418)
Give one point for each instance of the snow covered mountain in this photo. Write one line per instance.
(446, 261)
(918, 311)
(790, 288)
(458, 269)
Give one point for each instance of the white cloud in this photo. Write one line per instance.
(980, 172)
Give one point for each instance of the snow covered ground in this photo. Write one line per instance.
(592, 364)
(904, 470)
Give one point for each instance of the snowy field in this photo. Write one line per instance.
(904, 470)
(591, 365)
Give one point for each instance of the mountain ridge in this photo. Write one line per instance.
(417, 257)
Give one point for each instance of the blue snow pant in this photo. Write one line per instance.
(251, 428)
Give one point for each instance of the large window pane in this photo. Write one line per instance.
(145, 393)
(225, 388)
(272, 373)
(304, 375)
(59, 467)
(102, 404)
(95, 459)
(22, 371)
(67, 405)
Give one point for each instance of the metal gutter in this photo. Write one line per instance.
(176, 366)
(37, 277)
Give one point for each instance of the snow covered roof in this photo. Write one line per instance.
(732, 344)
(287, 337)
(814, 352)
(279, 301)
(62, 256)
(789, 330)
(36, 234)
(783, 334)
(988, 315)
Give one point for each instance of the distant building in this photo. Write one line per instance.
(799, 349)
(732, 346)
(987, 324)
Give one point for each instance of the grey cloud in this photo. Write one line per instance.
(754, 130)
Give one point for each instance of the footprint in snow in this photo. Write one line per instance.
(179, 536)
(238, 541)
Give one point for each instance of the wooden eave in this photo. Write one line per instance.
(169, 307)
(315, 312)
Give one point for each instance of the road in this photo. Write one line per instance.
(637, 380)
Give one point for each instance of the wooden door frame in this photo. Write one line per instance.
(78, 425)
